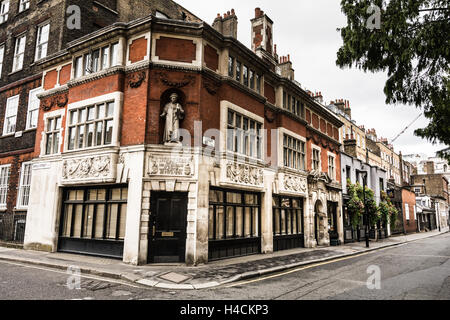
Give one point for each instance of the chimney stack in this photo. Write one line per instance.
(226, 25)
(429, 167)
(262, 35)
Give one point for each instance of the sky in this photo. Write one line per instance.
(306, 29)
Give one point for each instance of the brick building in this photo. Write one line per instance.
(256, 168)
(30, 31)
(435, 185)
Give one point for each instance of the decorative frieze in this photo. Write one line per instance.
(87, 168)
(244, 174)
(170, 166)
(297, 184)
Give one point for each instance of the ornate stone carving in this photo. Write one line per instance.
(245, 174)
(212, 86)
(91, 167)
(270, 115)
(187, 79)
(60, 101)
(170, 166)
(296, 184)
(137, 79)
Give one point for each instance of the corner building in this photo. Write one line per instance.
(257, 169)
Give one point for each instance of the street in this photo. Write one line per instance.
(417, 270)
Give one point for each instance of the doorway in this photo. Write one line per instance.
(167, 227)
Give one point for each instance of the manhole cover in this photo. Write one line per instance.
(174, 277)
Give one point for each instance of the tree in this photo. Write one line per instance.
(412, 44)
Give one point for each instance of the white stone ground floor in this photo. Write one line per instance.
(141, 173)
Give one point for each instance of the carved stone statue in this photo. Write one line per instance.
(173, 113)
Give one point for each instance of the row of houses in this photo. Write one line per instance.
(151, 136)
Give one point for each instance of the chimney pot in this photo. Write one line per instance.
(257, 12)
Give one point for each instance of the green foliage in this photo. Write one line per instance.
(356, 204)
(413, 47)
(388, 211)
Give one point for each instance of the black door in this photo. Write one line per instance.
(167, 227)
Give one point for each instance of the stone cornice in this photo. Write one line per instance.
(53, 92)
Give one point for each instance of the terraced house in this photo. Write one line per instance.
(31, 31)
(171, 141)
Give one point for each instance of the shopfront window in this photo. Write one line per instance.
(95, 214)
(287, 216)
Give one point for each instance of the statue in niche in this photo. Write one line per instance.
(173, 113)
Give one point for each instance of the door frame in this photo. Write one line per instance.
(152, 237)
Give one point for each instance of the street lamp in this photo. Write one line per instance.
(365, 210)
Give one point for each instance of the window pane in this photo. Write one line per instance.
(230, 222)
(109, 132)
(77, 221)
(123, 221)
(99, 219)
(67, 220)
(113, 210)
(239, 221)
(220, 219)
(89, 218)
(98, 136)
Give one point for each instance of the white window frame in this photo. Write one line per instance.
(317, 148)
(4, 185)
(24, 5)
(333, 156)
(24, 185)
(116, 97)
(282, 132)
(81, 62)
(225, 107)
(4, 9)
(11, 112)
(39, 43)
(19, 55)
(2, 56)
(33, 107)
(54, 132)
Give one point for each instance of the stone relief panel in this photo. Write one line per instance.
(244, 174)
(170, 166)
(296, 184)
(87, 168)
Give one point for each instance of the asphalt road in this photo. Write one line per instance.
(417, 270)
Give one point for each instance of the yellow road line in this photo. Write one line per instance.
(303, 268)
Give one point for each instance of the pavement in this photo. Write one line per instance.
(214, 274)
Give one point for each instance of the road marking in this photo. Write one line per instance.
(308, 267)
(63, 272)
(418, 255)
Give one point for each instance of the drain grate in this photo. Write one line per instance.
(97, 285)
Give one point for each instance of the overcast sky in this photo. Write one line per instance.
(306, 29)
